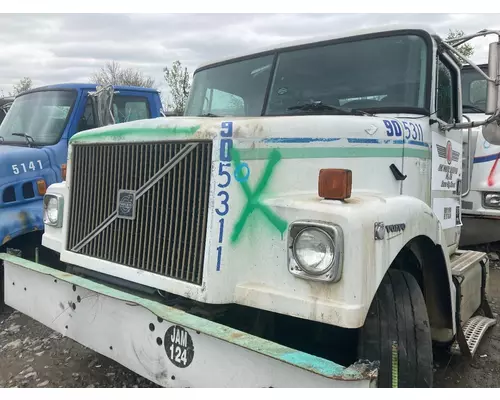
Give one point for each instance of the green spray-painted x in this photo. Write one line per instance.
(253, 202)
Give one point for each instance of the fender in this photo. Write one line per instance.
(412, 230)
(19, 220)
(407, 223)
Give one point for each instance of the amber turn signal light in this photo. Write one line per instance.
(41, 186)
(63, 171)
(335, 184)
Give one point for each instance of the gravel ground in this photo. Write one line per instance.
(484, 370)
(32, 355)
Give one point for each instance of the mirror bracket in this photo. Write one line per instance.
(103, 101)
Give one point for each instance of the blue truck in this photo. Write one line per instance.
(34, 137)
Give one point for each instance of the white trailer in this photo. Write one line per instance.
(306, 237)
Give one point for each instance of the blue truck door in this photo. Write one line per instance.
(133, 105)
(127, 106)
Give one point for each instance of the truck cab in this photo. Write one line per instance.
(302, 219)
(481, 174)
(34, 138)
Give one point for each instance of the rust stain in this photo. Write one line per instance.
(6, 239)
(353, 200)
(23, 217)
(236, 335)
(205, 132)
(237, 131)
(367, 369)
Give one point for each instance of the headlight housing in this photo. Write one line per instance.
(315, 251)
(491, 200)
(53, 205)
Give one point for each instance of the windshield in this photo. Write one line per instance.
(41, 115)
(378, 74)
(474, 88)
(3, 112)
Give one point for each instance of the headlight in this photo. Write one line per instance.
(315, 251)
(492, 200)
(53, 210)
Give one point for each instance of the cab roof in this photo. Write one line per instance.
(326, 38)
(87, 86)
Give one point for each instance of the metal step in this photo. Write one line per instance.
(464, 259)
(474, 330)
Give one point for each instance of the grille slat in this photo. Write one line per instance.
(167, 236)
(152, 214)
(193, 229)
(169, 216)
(79, 182)
(205, 183)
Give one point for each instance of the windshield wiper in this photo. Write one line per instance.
(28, 138)
(473, 108)
(323, 108)
(209, 115)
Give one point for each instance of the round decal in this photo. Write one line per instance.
(179, 346)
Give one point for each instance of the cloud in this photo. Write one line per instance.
(55, 48)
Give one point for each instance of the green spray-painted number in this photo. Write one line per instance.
(253, 202)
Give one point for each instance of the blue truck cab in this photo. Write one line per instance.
(34, 137)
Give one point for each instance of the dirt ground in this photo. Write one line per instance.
(484, 370)
(32, 355)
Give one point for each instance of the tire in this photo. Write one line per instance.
(398, 314)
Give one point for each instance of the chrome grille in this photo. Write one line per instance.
(167, 235)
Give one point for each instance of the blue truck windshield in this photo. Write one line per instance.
(41, 115)
(375, 73)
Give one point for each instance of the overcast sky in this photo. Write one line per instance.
(56, 48)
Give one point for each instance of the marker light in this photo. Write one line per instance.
(63, 171)
(41, 186)
(335, 184)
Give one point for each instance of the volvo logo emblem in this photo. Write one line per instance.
(126, 204)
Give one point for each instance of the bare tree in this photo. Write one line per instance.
(113, 74)
(178, 81)
(23, 85)
(466, 49)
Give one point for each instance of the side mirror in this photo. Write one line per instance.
(492, 94)
(103, 101)
(491, 133)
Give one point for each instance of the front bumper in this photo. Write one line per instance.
(479, 229)
(165, 345)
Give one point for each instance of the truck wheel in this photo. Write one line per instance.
(398, 315)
